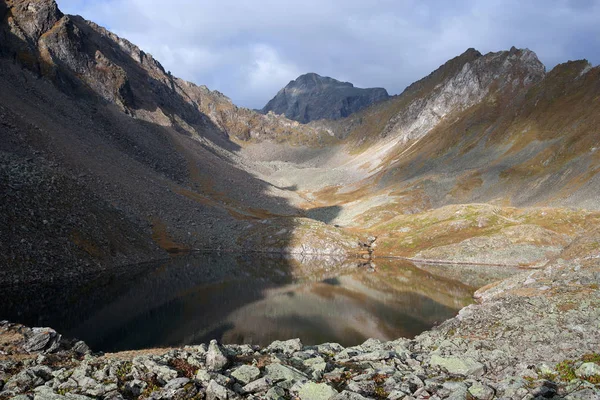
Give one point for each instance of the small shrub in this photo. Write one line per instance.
(124, 370)
(381, 393)
(592, 357)
(183, 367)
(566, 370)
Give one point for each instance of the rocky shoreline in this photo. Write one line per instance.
(535, 335)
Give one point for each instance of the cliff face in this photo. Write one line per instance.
(312, 97)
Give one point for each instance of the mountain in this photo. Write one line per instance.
(107, 159)
(312, 97)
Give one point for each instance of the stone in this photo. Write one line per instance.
(42, 339)
(317, 366)
(316, 391)
(588, 370)
(398, 395)
(454, 390)
(480, 391)
(287, 347)
(585, 394)
(456, 365)
(329, 348)
(215, 359)
(214, 391)
(179, 388)
(258, 386)
(23, 381)
(203, 375)
(279, 372)
(163, 373)
(246, 374)
(348, 395)
(275, 393)
(373, 356)
(81, 348)
(135, 387)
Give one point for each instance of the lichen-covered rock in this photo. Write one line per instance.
(288, 347)
(215, 359)
(246, 374)
(460, 366)
(316, 391)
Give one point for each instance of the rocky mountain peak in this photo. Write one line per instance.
(311, 97)
(32, 17)
(312, 81)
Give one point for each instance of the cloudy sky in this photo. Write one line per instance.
(249, 49)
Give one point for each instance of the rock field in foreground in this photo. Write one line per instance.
(535, 335)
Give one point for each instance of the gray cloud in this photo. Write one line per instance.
(250, 49)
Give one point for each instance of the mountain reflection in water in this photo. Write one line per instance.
(242, 298)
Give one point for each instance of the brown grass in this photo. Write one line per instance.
(161, 237)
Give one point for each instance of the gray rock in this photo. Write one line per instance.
(215, 359)
(480, 391)
(203, 375)
(179, 388)
(347, 395)
(177, 383)
(42, 339)
(458, 365)
(81, 348)
(135, 387)
(287, 347)
(275, 393)
(585, 394)
(258, 386)
(376, 355)
(453, 390)
(329, 348)
(588, 370)
(316, 391)
(316, 366)
(279, 372)
(23, 381)
(246, 374)
(398, 395)
(214, 391)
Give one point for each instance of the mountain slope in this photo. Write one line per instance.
(86, 117)
(312, 97)
(155, 165)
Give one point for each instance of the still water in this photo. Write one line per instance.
(248, 299)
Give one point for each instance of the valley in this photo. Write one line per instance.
(110, 165)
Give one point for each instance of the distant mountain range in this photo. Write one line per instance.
(311, 97)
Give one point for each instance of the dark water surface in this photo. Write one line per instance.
(241, 298)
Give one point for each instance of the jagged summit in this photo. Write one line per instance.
(311, 97)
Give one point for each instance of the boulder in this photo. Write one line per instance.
(465, 366)
(316, 391)
(246, 374)
(215, 359)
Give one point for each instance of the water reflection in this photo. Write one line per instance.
(243, 298)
